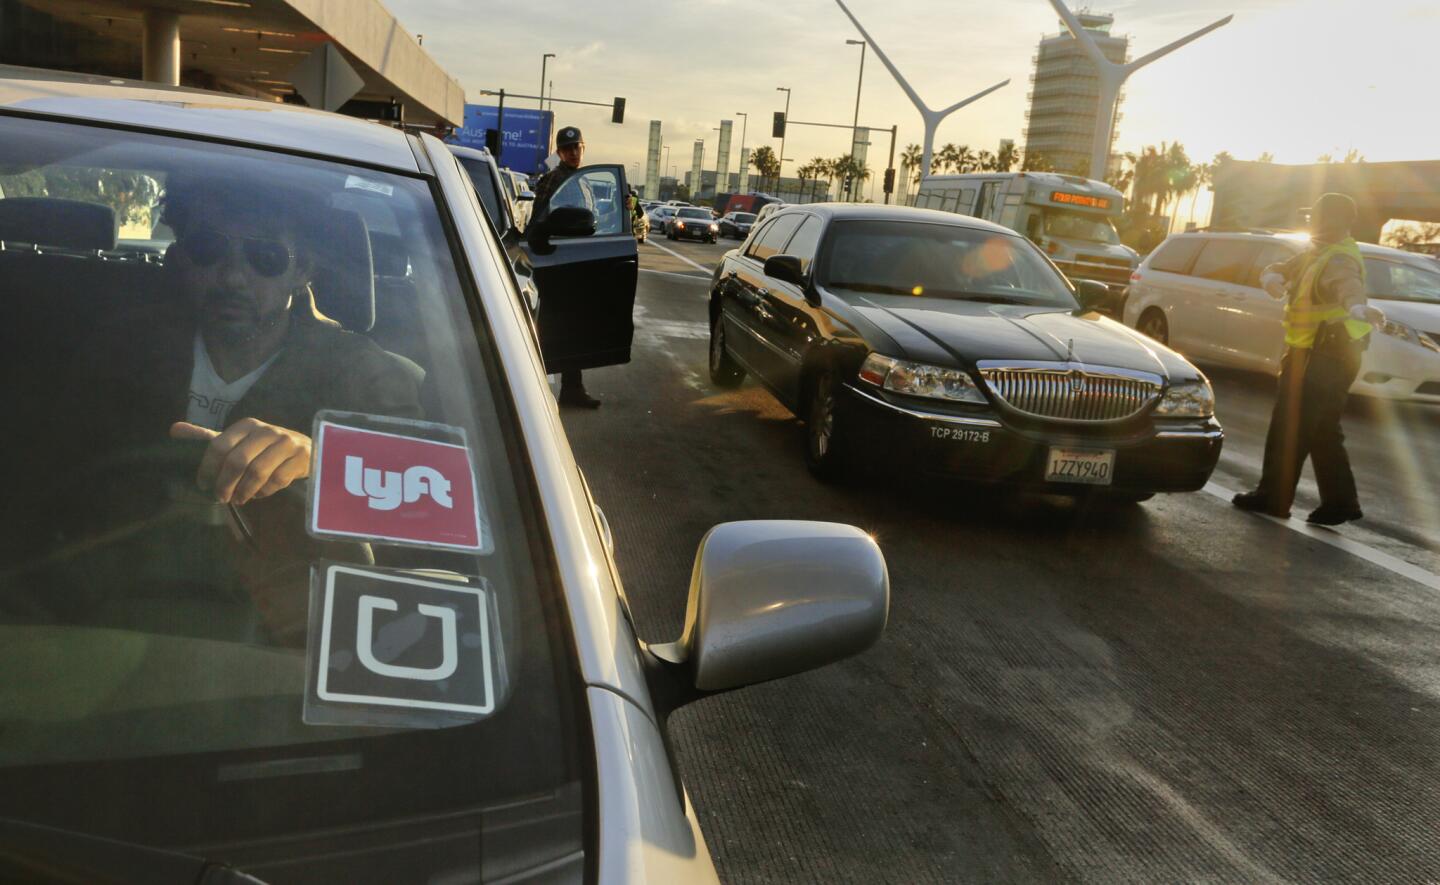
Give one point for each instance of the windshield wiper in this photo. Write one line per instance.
(38, 853)
(872, 287)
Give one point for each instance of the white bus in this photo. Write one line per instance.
(1070, 217)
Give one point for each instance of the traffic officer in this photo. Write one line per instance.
(570, 146)
(1327, 327)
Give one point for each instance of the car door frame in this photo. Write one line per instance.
(586, 318)
(790, 322)
(746, 311)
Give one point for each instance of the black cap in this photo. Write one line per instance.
(568, 136)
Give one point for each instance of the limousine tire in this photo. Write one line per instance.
(724, 371)
(825, 434)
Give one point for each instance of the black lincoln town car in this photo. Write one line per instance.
(951, 345)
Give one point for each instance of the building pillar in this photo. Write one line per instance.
(160, 47)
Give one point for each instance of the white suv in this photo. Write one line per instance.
(1200, 294)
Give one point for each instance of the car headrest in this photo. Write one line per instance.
(63, 224)
(344, 277)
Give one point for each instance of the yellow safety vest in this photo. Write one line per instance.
(1303, 317)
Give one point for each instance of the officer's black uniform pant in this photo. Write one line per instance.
(1313, 387)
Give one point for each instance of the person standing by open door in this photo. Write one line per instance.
(570, 146)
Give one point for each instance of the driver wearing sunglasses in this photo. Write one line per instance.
(240, 358)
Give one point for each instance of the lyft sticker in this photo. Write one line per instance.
(395, 487)
(399, 648)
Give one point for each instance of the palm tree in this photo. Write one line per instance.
(985, 161)
(1203, 172)
(964, 158)
(803, 173)
(1007, 157)
(948, 157)
(766, 163)
(817, 169)
(910, 159)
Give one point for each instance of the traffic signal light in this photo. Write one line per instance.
(617, 115)
(890, 180)
(777, 129)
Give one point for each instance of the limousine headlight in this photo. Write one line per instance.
(918, 379)
(1188, 399)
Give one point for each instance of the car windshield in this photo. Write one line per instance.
(478, 171)
(742, 217)
(694, 213)
(1402, 280)
(939, 261)
(206, 641)
(1077, 226)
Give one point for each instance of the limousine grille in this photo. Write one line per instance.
(1069, 393)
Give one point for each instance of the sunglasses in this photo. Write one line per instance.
(268, 258)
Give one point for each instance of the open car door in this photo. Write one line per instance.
(587, 282)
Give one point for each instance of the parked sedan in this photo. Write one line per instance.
(693, 223)
(950, 345)
(320, 593)
(736, 224)
(1200, 293)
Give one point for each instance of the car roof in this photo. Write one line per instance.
(881, 212)
(195, 112)
(1301, 239)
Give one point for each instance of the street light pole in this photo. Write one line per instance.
(544, 59)
(744, 126)
(855, 128)
(780, 176)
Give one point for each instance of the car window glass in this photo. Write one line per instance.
(752, 243)
(772, 242)
(966, 201)
(1402, 280)
(1226, 261)
(1271, 253)
(478, 171)
(1176, 254)
(226, 289)
(593, 189)
(804, 243)
(938, 261)
(694, 213)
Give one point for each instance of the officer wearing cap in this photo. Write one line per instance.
(570, 146)
(1327, 325)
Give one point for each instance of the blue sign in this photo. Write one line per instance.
(525, 134)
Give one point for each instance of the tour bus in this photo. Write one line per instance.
(1070, 217)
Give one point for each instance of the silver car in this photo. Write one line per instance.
(298, 574)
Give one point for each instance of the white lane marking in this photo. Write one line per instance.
(684, 276)
(699, 267)
(1340, 542)
(695, 331)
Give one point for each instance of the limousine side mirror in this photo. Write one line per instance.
(771, 598)
(785, 268)
(1091, 294)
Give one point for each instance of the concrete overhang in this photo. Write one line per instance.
(251, 46)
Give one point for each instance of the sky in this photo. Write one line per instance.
(1297, 78)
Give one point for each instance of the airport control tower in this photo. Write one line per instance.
(1065, 94)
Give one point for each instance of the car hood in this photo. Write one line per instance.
(1423, 316)
(960, 333)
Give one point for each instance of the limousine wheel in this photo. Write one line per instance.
(824, 441)
(1152, 323)
(724, 371)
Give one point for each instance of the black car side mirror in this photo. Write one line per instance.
(570, 221)
(785, 268)
(1091, 294)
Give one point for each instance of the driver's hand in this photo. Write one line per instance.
(250, 460)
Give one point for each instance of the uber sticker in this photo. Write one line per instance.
(398, 648)
(395, 487)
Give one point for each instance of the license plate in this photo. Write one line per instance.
(1094, 467)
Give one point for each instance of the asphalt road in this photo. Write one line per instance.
(1175, 691)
